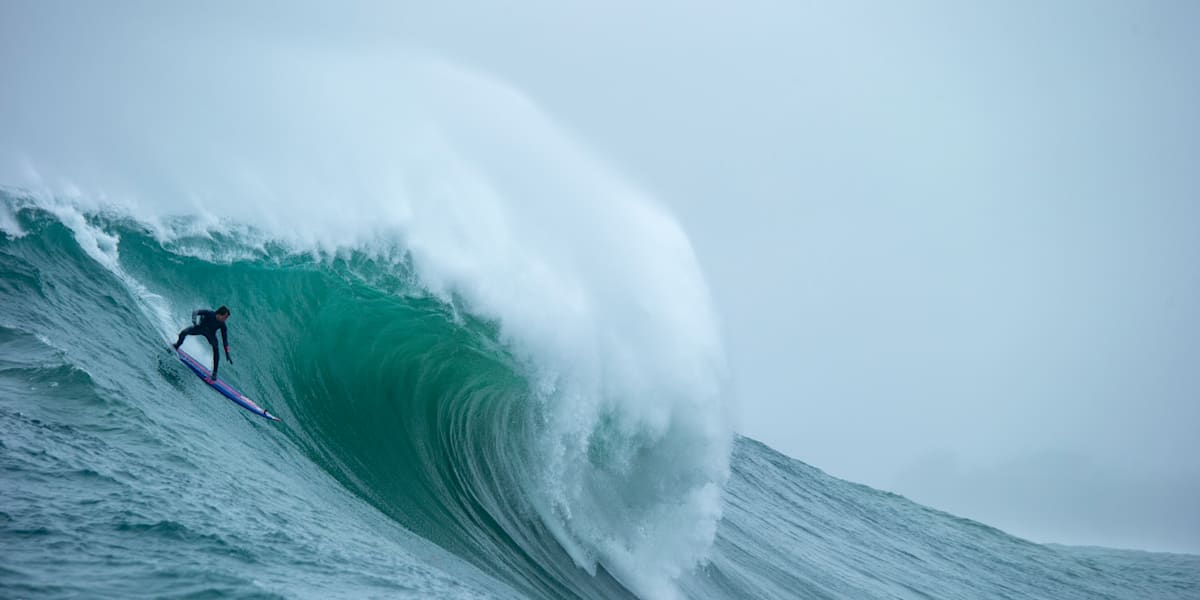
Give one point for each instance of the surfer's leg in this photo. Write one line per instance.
(212, 339)
(183, 334)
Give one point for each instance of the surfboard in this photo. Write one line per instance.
(226, 390)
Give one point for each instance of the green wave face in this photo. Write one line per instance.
(407, 400)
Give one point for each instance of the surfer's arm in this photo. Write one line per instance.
(225, 342)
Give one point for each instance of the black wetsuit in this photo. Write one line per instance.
(208, 327)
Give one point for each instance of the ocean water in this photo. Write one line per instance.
(435, 440)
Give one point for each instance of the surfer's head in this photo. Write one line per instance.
(222, 313)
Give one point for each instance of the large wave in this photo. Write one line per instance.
(588, 418)
(120, 479)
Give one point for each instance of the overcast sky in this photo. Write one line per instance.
(955, 246)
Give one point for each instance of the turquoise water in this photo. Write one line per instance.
(418, 453)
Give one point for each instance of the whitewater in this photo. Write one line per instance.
(496, 361)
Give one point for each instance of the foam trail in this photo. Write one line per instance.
(8, 222)
(101, 246)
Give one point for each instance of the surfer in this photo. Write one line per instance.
(209, 323)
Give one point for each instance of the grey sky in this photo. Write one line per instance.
(953, 245)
